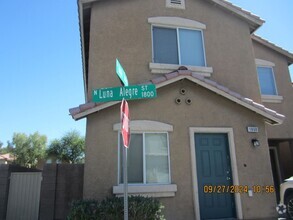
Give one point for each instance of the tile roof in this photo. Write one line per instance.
(7, 157)
(243, 10)
(254, 20)
(270, 115)
(271, 45)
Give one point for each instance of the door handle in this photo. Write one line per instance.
(228, 178)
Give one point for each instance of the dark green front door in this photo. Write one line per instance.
(213, 172)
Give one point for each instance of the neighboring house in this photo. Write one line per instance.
(6, 158)
(224, 106)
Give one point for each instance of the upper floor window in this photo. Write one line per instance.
(266, 80)
(178, 42)
(178, 46)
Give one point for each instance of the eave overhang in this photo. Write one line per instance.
(287, 54)
(84, 14)
(269, 115)
(254, 21)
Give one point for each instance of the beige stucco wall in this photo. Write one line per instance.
(206, 110)
(284, 87)
(121, 29)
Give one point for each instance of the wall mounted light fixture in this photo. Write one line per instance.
(255, 142)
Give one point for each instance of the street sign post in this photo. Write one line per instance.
(124, 93)
(147, 91)
(125, 131)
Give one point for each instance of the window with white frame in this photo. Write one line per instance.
(148, 158)
(180, 46)
(266, 80)
(178, 42)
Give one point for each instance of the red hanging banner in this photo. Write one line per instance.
(125, 121)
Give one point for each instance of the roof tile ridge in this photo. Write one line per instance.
(74, 111)
(242, 9)
(171, 75)
(184, 72)
(86, 106)
(249, 13)
(255, 36)
(198, 76)
(158, 79)
(174, 74)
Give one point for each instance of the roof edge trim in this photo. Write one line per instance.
(208, 84)
(273, 47)
(254, 21)
(176, 21)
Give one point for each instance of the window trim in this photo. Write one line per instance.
(151, 189)
(160, 68)
(178, 44)
(178, 23)
(268, 98)
(272, 98)
(146, 125)
(264, 63)
(159, 190)
(144, 159)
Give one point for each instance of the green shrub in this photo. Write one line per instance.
(139, 208)
(111, 209)
(145, 208)
(83, 210)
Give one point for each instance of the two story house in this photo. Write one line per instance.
(219, 134)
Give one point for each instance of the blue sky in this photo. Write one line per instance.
(40, 61)
(40, 67)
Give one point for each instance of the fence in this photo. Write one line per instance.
(61, 183)
(24, 196)
(5, 172)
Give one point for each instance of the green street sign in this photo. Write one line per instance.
(121, 73)
(127, 92)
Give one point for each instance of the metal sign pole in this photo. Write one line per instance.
(125, 131)
(125, 183)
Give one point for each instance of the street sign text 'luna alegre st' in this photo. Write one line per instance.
(127, 92)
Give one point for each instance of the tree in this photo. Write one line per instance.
(7, 149)
(68, 149)
(28, 150)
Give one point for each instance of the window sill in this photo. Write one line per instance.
(167, 68)
(166, 190)
(272, 98)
